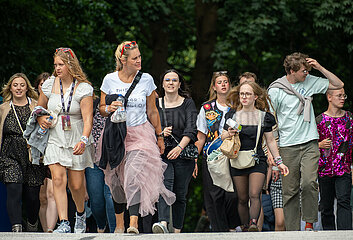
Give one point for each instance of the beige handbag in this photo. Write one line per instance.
(231, 146)
(218, 166)
(18, 120)
(246, 159)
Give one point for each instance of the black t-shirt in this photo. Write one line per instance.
(183, 119)
(248, 133)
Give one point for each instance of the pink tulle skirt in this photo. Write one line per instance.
(139, 177)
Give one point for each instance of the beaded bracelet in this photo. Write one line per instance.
(278, 160)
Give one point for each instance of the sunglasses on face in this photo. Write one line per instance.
(65, 50)
(127, 46)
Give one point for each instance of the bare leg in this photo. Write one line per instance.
(52, 212)
(59, 178)
(279, 220)
(77, 188)
(43, 205)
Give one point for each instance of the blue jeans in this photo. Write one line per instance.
(100, 198)
(339, 187)
(177, 177)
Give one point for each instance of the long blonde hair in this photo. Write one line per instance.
(122, 52)
(261, 102)
(212, 93)
(68, 56)
(7, 94)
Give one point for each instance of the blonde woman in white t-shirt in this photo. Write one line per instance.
(140, 174)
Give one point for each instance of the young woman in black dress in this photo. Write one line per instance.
(247, 100)
(22, 179)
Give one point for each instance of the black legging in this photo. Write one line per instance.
(30, 200)
(14, 202)
(119, 207)
(249, 186)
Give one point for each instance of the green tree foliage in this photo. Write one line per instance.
(195, 37)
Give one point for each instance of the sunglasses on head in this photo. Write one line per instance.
(127, 46)
(65, 50)
(220, 72)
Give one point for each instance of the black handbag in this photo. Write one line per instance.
(190, 152)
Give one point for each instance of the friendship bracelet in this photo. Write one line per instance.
(180, 147)
(278, 160)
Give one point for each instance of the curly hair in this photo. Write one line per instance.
(294, 61)
(68, 56)
(261, 102)
(6, 93)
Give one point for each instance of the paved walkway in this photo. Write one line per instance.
(320, 235)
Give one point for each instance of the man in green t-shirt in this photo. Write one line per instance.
(291, 98)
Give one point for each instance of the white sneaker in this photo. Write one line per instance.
(64, 227)
(159, 228)
(80, 224)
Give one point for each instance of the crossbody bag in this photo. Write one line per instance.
(248, 158)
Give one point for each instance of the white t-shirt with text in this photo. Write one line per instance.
(136, 106)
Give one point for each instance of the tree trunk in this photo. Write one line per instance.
(159, 43)
(206, 22)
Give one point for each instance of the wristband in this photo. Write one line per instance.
(180, 147)
(161, 135)
(84, 139)
(106, 109)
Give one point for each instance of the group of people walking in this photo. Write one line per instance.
(132, 150)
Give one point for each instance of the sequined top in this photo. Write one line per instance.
(337, 160)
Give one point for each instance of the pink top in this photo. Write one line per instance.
(337, 160)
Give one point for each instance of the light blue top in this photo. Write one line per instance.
(292, 128)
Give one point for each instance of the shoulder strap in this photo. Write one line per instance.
(132, 87)
(163, 111)
(18, 120)
(261, 120)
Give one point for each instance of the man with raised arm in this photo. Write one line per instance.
(291, 98)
